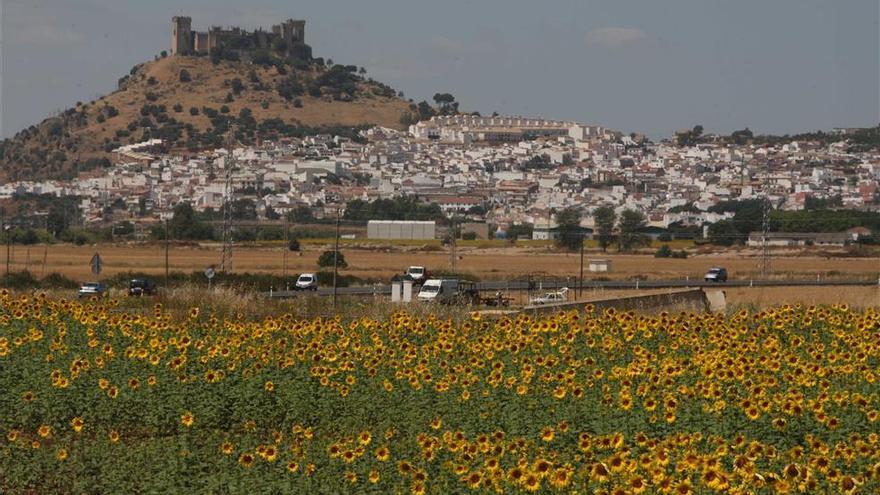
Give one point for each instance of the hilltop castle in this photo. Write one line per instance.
(288, 37)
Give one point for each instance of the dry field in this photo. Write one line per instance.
(380, 264)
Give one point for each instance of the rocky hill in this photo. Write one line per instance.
(190, 102)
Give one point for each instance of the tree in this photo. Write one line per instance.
(663, 252)
(604, 219)
(741, 137)
(185, 224)
(570, 235)
(631, 223)
(326, 260)
(293, 245)
(446, 102)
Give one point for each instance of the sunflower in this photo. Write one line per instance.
(187, 419)
(61, 454)
(561, 477)
(531, 483)
(77, 424)
(45, 431)
(547, 434)
(373, 477)
(474, 479)
(637, 485)
(365, 437)
(246, 459)
(383, 454)
(292, 466)
(113, 436)
(227, 448)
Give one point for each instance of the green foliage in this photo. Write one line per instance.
(569, 233)
(399, 208)
(631, 224)
(823, 220)
(604, 219)
(327, 257)
(520, 230)
(663, 251)
(813, 203)
(186, 225)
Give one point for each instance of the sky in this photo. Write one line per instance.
(775, 66)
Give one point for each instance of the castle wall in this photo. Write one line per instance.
(184, 40)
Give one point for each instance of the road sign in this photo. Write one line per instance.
(209, 272)
(97, 264)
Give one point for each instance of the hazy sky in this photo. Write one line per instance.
(649, 66)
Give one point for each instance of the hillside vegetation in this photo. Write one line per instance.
(190, 102)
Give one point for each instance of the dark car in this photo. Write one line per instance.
(141, 287)
(716, 274)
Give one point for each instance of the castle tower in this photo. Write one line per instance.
(293, 31)
(181, 35)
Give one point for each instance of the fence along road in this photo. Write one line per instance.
(525, 285)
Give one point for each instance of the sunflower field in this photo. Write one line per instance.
(99, 400)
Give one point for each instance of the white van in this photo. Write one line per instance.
(448, 291)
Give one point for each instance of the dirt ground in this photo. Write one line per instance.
(380, 263)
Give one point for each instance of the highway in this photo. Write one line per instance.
(523, 285)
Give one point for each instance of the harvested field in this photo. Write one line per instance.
(380, 263)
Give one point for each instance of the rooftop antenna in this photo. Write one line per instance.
(228, 198)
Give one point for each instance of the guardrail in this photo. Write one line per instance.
(525, 285)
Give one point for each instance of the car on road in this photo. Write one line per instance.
(559, 296)
(306, 281)
(716, 274)
(141, 287)
(92, 289)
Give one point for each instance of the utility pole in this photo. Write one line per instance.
(8, 245)
(336, 258)
(765, 230)
(285, 249)
(453, 242)
(581, 281)
(167, 242)
(228, 200)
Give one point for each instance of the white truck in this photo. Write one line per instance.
(418, 274)
(449, 291)
(559, 296)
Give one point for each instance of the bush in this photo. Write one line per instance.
(152, 96)
(326, 260)
(663, 252)
(680, 254)
(185, 77)
(178, 108)
(664, 237)
(19, 280)
(193, 111)
(293, 245)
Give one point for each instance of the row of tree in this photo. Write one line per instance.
(626, 231)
